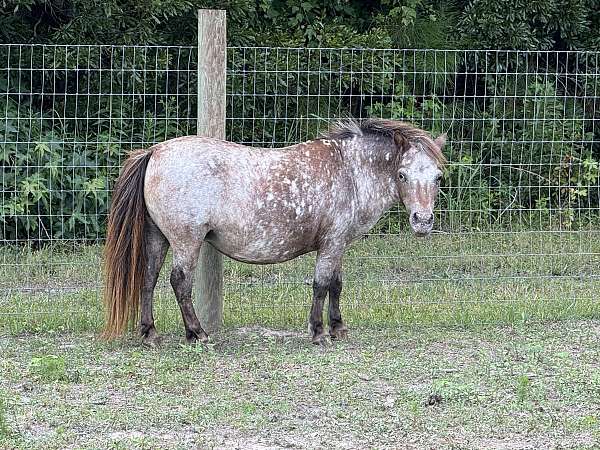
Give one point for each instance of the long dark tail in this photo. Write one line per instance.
(125, 250)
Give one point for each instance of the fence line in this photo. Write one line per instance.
(517, 219)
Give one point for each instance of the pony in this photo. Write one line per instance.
(260, 206)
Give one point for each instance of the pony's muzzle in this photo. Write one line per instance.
(423, 218)
(421, 222)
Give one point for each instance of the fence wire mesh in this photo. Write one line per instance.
(517, 221)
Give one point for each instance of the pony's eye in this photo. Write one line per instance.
(438, 179)
(401, 176)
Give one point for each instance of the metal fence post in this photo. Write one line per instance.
(212, 64)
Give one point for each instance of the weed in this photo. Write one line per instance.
(451, 390)
(49, 368)
(589, 422)
(523, 388)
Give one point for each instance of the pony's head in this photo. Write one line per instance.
(403, 154)
(419, 175)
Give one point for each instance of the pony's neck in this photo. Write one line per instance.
(372, 161)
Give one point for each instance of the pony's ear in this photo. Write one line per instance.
(401, 142)
(440, 141)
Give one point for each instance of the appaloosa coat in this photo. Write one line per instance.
(260, 206)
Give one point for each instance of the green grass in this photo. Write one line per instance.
(48, 368)
(5, 433)
(525, 386)
(485, 340)
(455, 279)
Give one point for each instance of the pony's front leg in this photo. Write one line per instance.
(337, 328)
(328, 264)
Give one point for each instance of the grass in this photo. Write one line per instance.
(48, 368)
(5, 433)
(525, 386)
(455, 279)
(482, 340)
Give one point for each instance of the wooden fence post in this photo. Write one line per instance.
(212, 65)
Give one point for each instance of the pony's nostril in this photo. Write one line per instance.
(425, 218)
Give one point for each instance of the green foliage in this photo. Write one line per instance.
(62, 150)
(92, 22)
(50, 175)
(531, 25)
(422, 24)
(522, 24)
(349, 23)
(58, 185)
(57, 173)
(555, 165)
(525, 159)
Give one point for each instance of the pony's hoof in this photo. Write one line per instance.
(195, 338)
(321, 340)
(151, 339)
(153, 342)
(340, 332)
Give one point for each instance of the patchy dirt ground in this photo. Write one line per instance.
(526, 387)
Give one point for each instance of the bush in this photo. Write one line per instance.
(527, 159)
(66, 132)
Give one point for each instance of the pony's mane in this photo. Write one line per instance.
(349, 128)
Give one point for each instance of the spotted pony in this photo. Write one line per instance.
(260, 206)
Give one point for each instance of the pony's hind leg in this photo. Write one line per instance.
(185, 259)
(156, 250)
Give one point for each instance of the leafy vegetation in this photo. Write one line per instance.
(520, 124)
(62, 136)
(544, 25)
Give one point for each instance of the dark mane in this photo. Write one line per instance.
(347, 129)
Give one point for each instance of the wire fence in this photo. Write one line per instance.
(517, 221)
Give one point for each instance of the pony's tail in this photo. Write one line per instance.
(125, 250)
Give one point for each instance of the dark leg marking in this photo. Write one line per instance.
(156, 250)
(337, 328)
(319, 337)
(182, 285)
(327, 266)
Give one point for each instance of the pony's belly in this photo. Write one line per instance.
(258, 250)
